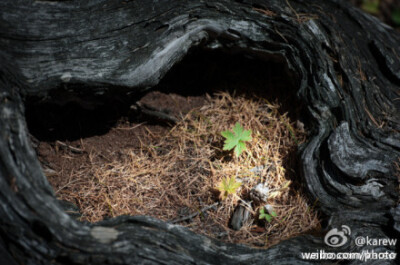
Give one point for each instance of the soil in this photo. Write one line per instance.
(103, 148)
(75, 130)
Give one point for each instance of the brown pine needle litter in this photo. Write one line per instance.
(178, 175)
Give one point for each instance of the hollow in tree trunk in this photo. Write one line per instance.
(344, 63)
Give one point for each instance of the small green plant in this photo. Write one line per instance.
(266, 216)
(370, 6)
(236, 139)
(228, 186)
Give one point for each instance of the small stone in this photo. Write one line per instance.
(240, 216)
(259, 193)
(269, 208)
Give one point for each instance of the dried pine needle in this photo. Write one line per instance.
(183, 168)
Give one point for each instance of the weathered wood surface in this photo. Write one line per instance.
(347, 68)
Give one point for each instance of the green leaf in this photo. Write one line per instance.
(227, 134)
(239, 148)
(241, 133)
(266, 216)
(262, 213)
(229, 145)
(371, 6)
(228, 186)
(233, 184)
(235, 140)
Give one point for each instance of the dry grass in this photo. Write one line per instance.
(179, 175)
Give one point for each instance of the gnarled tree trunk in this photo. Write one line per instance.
(347, 68)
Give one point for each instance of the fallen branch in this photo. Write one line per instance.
(71, 148)
(154, 113)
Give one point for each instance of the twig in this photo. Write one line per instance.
(132, 128)
(154, 113)
(193, 215)
(372, 118)
(265, 12)
(66, 185)
(294, 11)
(280, 34)
(71, 148)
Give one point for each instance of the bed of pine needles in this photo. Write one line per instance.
(178, 175)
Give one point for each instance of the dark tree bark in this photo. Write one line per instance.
(346, 65)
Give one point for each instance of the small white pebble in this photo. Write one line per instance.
(269, 208)
(259, 193)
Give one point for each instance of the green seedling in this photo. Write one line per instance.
(266, 216)
(228, 186)
(236, 139)
(370, 6)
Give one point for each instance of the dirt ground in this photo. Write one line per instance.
(103, 148)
